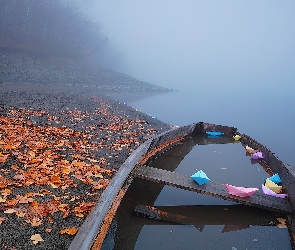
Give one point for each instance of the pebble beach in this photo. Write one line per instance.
(60, 145)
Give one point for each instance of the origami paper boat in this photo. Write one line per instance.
(214, 133)
(200, 177)
(237, 137)
(240, 191)
(272, 186)
(251, 150)
(257, 155)
(275, 179)
(268, 191)
(214, 136)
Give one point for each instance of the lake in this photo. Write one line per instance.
(265, 116)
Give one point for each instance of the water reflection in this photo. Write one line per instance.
(179, 219)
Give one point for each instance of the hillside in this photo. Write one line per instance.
(22, 67)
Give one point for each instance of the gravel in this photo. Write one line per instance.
(100, 134)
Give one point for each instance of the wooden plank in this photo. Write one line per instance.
(238, 215)
(259, 199)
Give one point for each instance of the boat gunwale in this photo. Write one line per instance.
(86, 236)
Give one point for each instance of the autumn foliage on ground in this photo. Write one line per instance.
(54, 169)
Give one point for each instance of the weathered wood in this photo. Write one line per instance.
(238, 215)
(218, 190)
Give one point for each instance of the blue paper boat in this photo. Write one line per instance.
(214, 136)
(275, 178)
(214, 133)
(200, 177)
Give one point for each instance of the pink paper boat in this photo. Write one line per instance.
(268, 191)
(240, 191)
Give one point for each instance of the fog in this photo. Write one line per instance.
(180, 44)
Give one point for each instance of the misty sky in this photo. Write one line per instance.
(206, 43)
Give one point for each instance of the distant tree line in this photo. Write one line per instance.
(48, 26)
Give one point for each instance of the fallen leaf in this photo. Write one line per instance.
(2, 199)
(48, 230)
(36, 238)
(11, 203)
(14, 167)
(36, 222)
(1, 220)
(50, 220)
(80, 215)
(282, 223)
(70, 230)
(10, 211)
(66, 170)
(24, 200)
(6, 192)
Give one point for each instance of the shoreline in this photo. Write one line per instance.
(68, 134)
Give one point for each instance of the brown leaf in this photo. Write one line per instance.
(10, 211)
(36, 238)
(36, 222)
(1, 220)
(24, 200)
(14, 167)
(2, 199)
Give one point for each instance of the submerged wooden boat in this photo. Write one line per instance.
(94, 229)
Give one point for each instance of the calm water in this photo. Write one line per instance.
(265, 114)
(266, 117)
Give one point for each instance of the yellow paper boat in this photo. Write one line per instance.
(272, 186)
(237, 137)
(251, 150)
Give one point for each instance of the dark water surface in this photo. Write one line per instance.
(209, 226)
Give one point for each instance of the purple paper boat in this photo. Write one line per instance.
(257, 156)
(240, 191)
(267, 191)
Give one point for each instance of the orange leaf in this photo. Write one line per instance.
(80, 215)
(11, 203)
(97, 187)
(48, 230)
(3, 158)
(3, 182)
(6, 192)
(78, 163)
(50, 220)
(14, 167)
(70, 230)
(34, 205)
(66, 170)
(36, 222)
